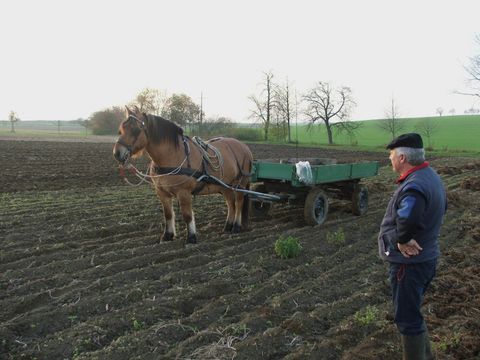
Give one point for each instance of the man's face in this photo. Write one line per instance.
(396, 160)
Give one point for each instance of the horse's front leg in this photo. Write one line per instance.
(185, 200)
(168, 213)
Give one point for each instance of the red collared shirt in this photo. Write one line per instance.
(412, 170)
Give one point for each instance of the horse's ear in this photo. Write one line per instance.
(127, 110)
(136, 109)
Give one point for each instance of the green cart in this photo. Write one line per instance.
(279, 180)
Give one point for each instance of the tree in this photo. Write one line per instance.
(181, 109)
(283, 103)
(13, 118)
(150, 101)
(216, 126)
(451, 111)
(392, 124)
(471, 111)
(473, 71)
(263, 104)
(106, 122)
(439, 111)
(332, 106)
(427, 127)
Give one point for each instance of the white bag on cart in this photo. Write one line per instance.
(304, 172)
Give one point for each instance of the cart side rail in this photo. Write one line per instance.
(321, 174)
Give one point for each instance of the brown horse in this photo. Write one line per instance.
(182, 167)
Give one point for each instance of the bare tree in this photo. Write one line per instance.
(473, 71)
(150, 101)
(392, 124)
(263, 104)
(332, 107)
(451, 111)
(283, 101)
(13, 118)
(439, 111)
(427, 127)
(471, 111)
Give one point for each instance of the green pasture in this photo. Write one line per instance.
(453, 133)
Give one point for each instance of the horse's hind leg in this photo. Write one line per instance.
(237, 224)
(169, 214)
(230, 200)
(185, 200)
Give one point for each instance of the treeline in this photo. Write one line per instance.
(178, 108)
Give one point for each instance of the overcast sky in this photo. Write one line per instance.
(64, 60)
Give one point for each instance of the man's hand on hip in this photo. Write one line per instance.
(410, 248)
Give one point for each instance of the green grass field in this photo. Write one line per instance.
(453, 133)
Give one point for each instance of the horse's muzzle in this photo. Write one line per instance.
(120, 153)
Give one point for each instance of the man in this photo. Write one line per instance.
(408, 239)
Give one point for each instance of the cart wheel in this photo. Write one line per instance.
(316, 207)
(359, 200)
(259, 209)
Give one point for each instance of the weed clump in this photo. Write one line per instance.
(336, 237)
(366, 316)
(288, 247)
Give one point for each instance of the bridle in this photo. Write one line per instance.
(141, 125)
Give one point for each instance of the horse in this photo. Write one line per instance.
(182, 166)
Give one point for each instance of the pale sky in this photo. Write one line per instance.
(63, 60)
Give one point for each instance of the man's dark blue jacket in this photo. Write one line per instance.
(415, 211)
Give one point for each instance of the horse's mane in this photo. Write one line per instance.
(160, 129)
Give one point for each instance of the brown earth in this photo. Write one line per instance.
(83, 276)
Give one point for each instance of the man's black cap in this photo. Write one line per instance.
(411, 140)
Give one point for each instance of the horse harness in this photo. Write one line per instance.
(201, 175)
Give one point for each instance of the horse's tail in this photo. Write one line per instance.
(245, 209)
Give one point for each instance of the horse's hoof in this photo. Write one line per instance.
(228, 227)
(192, 239)
(236, 228)
(167, 237)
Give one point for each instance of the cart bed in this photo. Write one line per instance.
(321, 174)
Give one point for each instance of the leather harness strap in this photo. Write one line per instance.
(202, 175)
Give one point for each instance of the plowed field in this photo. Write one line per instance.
(83, 275)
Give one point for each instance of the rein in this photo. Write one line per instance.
(215, 161)
(144, 177)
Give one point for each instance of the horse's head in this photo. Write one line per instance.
(133, 136)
